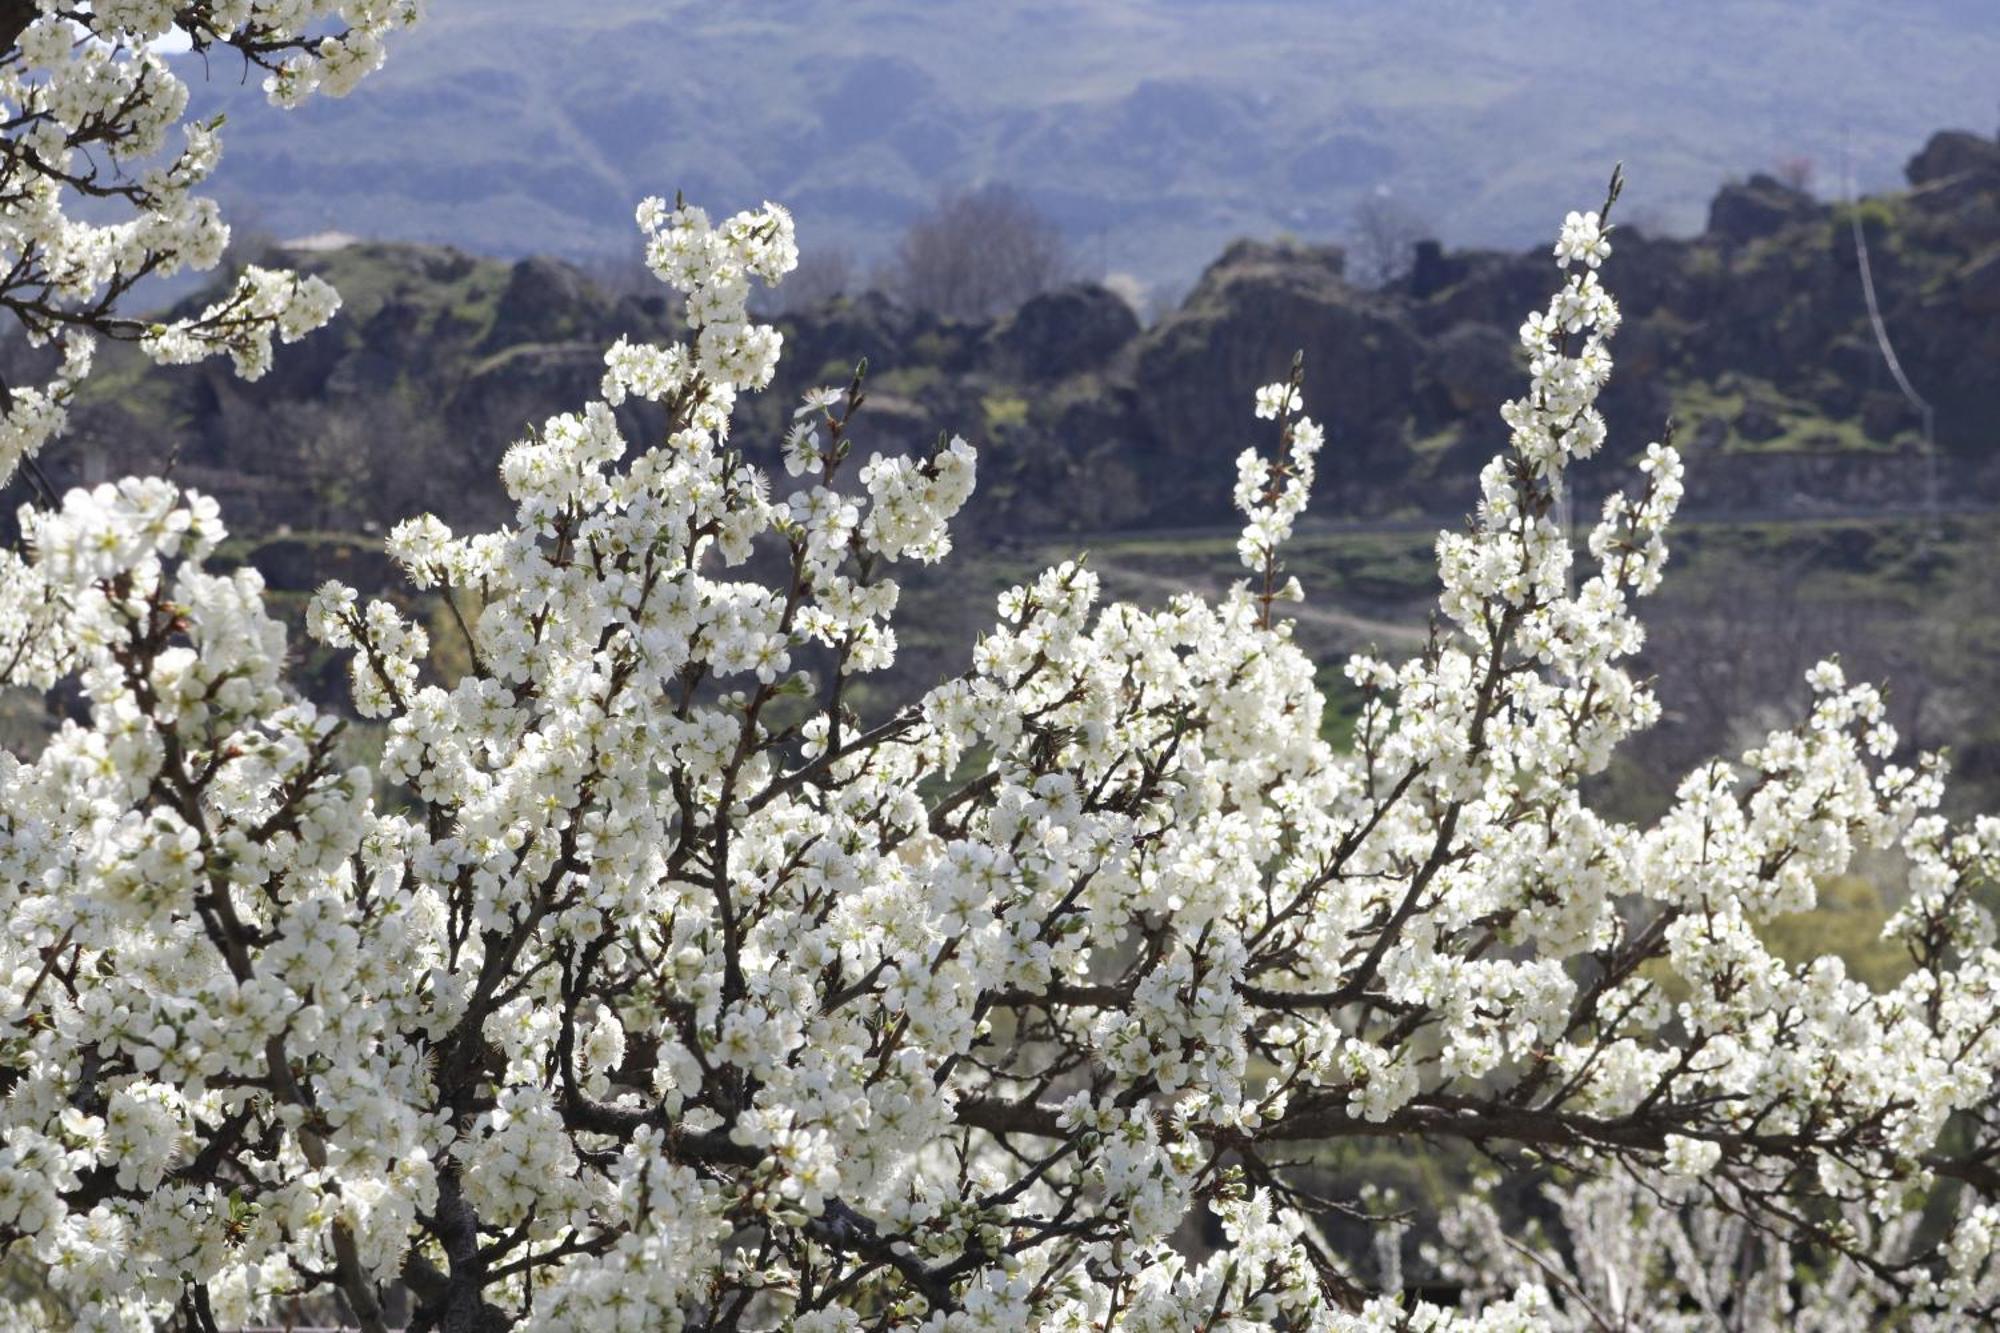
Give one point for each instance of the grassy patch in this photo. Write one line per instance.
(1847, 922)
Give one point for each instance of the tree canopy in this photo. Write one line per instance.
(645, 980)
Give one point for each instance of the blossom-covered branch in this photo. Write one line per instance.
(98, 192)
(670, 991)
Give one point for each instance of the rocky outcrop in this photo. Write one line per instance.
(1979, 284)
(545, 301)
(1753, 335)
(1073, 329)
(1476, 367)
(498, 397)
(1956, 180)
(1824, 481)
(1253, 310)
(1761, 206)
(826, 343)
(1952, 153)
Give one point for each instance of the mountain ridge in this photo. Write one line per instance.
(1152, 132)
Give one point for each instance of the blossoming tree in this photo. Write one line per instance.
(667, 991)
(97, 194)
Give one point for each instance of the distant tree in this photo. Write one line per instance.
(1383, 235)
(978, 254)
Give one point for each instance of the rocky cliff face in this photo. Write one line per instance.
(1753, 337)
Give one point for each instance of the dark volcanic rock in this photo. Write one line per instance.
(511, 391)
(1957, 179)
(1885, 413)
(1432, 270)
(440, 360)
(1759, 421)
(1253, 309)
(1063, 332)
(1488, 287)
(1477, 368)
(825, 344)
(1979, 284)
(1952, 153)
(296, 564)
(1760, 206)
(546, 301)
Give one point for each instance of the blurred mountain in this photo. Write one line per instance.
(1151, 130)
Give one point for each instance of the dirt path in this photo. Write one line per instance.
(1351, 628)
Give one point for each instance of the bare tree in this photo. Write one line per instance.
(978, 254)
(1384, 233)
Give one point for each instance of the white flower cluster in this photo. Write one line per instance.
(98, 193)
(644, 983)
(1272, 494)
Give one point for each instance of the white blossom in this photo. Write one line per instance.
(646, 982)
(101, 171)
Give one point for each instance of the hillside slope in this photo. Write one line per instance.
(1153, 130)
